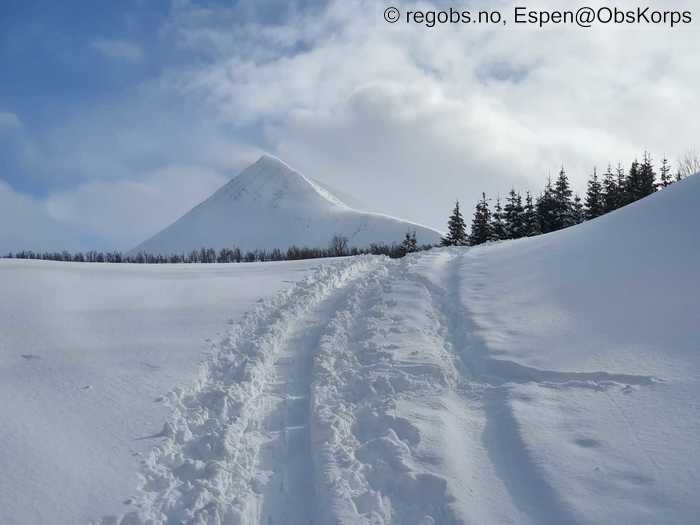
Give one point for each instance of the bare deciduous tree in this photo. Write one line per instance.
(339, 246)
(689, 163)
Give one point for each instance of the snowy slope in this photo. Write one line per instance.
(619, 295)
(550, 380)
(268, 206)
(86, 352)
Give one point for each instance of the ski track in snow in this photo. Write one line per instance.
(335, 403)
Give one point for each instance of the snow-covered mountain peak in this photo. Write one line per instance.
(271, 205)
(271, 182)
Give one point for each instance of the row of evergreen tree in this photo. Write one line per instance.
(557, 207)
(338, 247)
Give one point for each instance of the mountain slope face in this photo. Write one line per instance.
(269, 205)
(552, 380)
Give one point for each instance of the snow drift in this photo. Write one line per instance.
(619, 294)
(269, 205)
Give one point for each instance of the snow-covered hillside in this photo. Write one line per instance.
(550, 380)
(268, 206)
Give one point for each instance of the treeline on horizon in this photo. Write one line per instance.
(338, 247)
(557, 207)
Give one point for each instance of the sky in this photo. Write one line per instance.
(118, 117)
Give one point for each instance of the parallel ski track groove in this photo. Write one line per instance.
(205, 470)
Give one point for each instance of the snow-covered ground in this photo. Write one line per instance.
(548, 380)
(86, 351)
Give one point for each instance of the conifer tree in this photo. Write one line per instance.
(513, 216)
(595, 205)
(409, 244)
(622, 193)
(633, 183)
(665, 174)
(546, 209)
(457, 229)
(498, 227)
(564, 206)
(481, 223)
(647, 177)
(610, 191)
(531, 225)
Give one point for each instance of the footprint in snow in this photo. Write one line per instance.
(166, 431)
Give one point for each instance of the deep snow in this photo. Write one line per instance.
(86, 351)
(550, 380)
(619, 294)
(269, 205)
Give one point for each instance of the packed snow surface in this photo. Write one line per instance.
(552, 380)
(269, 205)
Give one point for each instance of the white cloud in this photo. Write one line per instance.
(405, 117)
(119, 50)
(25, 224)
(9, 120)
(428, 115)
(112, 213)
(128, 211)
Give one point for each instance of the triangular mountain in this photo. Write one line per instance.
(269, 205)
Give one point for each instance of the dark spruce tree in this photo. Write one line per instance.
(633, 184)
(513, 216)
(564, 212)
(498, 226)
(610, 191)
(481, 223)
(456, 229)
(622, 194)
(647, 177)
(531, 224)
(546, 209)
(595, 202)
(665, 178)
(410, 244)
